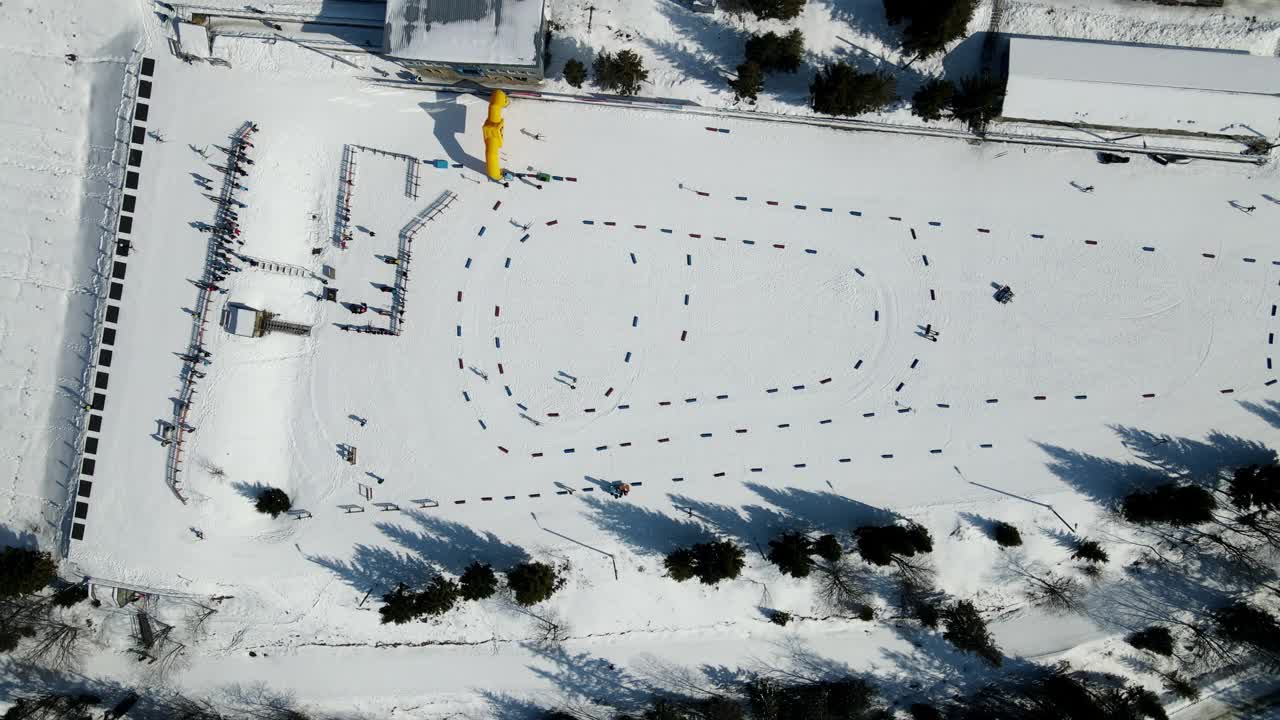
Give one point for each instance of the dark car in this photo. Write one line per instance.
(1107, 158)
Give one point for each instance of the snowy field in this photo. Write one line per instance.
(729, 321)
(56, 203)
(741, 388)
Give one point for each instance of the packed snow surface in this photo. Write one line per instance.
(732, 322)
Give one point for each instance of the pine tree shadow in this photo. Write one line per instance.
(19, 680)
(750, 525)
(250, 491)
(504, 706)
(1163, 458)
(865, 17)
(441, 546)
(707, 46)
(1153, 593)
(14, 538)
(1268, 410)
(985, 524)
(1101, 479)
(824, 511)
(451, 546)
(1195, 460)
(375, 567)
(643, 529)
(582, 676)
(937, 669)
(1063, 539)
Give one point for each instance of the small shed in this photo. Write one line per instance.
(241, 320)
(490, 40)
(193, 40)
(1145, 88)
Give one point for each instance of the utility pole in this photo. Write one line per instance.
(591, 11)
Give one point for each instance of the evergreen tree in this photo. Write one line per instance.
(1156, 639)
(439, 596)
(478, 581)
(1058, 693)
(23, 571)
(1006, 535)
(71, 595)
(920, 711)
(717, 560)
(828, 548)
(838, 89)
(1090, 551)
(679, 564)
(273, 501)
(790, 552)
(780, 617)
(966, 629)
(575, 73)
(776, 53)
(929, 25)
(765, 9)
(710, 562)
(978, 101)
(1180, 686)
(883, 544)
(749, 82)
(620, 72)
(401, 606)
(533, 582)
(1178, 505)
(932, 99)
(1255, 487)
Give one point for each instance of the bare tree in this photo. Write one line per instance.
(53, 706)
(168, 657)
(1056, 593)
(195, 620)
(181, 707)
(58, 645)
(841, 586)
(551, 629)
(258, 702)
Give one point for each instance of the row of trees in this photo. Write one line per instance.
(1045, 693)
(842, 585)
(765, 54)
(621, 72)
(927, 26)
(530, 583)
(32, 618)
(975, 101)
(90, 704)
(1231, 520)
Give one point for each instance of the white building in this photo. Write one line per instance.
(491, 40)
(1143, 88)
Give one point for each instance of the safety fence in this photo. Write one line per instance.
(1152, 145)
(196, 354)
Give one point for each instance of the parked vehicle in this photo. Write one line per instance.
(1107, 158)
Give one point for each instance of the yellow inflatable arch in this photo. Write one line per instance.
(493, 134)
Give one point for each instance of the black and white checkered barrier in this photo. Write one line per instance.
(105, 342)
